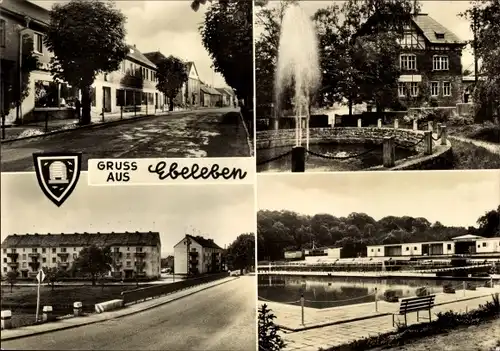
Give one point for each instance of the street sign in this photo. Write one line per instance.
(40, 276)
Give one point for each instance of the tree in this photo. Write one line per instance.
(11, 279)
(94, 261)
(489, 223)
(241, 252)
(484, 17)
(269, 339)
(172, 74)
(359, 51)
(53, 275)
(227, 34)
(87, 38)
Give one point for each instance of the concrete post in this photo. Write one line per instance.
(376, 300)
(298, 159)
(430, 126)
(6, 319)
(444, 135)
(276, 123)
(438, 130)
(428, 142)
(77, 309)
(360, 123)
(302, 308)
(388, 152)
(415, 124)
(396, 123)
(379, 123)
(47, 315)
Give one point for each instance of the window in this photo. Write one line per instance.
(372, 250)
(378, 250)
(128, 254)
(92, 96)
(408, 62)
(440, 63)
(439, 35)
(5, 269)
(75, 256)
(43, 250)
(53, 260)
(24, 264)
(434, 89)
(38, 43)
(484, 244)
(129, 263)
(44, 260)
(74, 249)
(449, 246)
(53, 250)
(63, 249)
(4, 260)
(407, 248)
(447, 89)
(138, 249)
(24, 256)
(123, 68)
(33, 250)
(147, 74)
(415, 248)
(24, 250)
(414, 89)
(13, 250)
(128, 248)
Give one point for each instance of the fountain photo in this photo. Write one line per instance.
(360, 261)
(376, 85)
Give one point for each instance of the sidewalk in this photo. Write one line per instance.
(73, 322)
(335, 335)
(491, 147)
(289, 316)
(55, 125)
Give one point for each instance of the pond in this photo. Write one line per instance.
(326, 292)
(318, 164)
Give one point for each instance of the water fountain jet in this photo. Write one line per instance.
(298, 67)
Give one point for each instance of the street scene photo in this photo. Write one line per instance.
(128, 268)
(379, 261)
(125, 79)
(361, 85)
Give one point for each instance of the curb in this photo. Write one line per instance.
(249, 143)
(89, 126)
(106, 319)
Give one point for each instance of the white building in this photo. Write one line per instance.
(197, 255)
(133, 254)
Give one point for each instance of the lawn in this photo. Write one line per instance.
(469, 156)
(484, 337)
(22, 300)
(488, 132)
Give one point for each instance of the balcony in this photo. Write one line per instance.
(193, 253)
(140, 254)
(194, 262)
(34, 265)
(13, 264)
(63, 254)
(140, 274)
(63, 264)
(13, 256)
(34, 255)
(140, 264)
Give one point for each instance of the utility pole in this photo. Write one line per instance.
(476, 64)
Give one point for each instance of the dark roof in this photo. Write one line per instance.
(430, 27)
(209, 90)
(155, 57)
(209, 243)
(27, 8)
(85, 239)
(136, 55)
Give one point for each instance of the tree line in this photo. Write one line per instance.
(280, 231)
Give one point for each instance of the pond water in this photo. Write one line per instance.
(326, 292)
(319, 164)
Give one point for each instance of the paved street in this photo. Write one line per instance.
(219, 318)
(198, 133)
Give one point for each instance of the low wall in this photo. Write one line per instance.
(39, 114)
(407, 138)
(108, 306)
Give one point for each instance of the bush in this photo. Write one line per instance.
(269, 339)
(391, 296)
(470, 286)
(422, 291)
(448, 289)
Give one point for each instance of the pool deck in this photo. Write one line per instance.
(288, 317)
(340, 325)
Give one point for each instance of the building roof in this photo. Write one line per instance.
(208, 243)
(468, 237)
(136, 55)
(26, 8)
(82, 239)
(155, 57)
(209, 90)
(431, 28)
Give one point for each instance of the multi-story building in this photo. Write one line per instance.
(132, 86)
(210, 97)
(430, 64)
(468, 245)
(197, 255)
(133, 254)
(192, 93)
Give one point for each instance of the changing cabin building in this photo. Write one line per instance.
(134, 254)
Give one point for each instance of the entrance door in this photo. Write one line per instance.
(106, 99)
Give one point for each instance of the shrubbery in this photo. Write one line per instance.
(269, 339)
(391, 296)
(422, 291)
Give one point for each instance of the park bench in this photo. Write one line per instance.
(415, 304)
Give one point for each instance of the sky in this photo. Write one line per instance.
(454, 198)
(445, 12)
(218, 212)
(167, 26)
